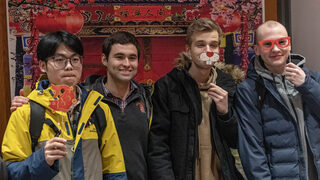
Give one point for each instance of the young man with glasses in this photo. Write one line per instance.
(129, 101)
(278, 106)
(69, 146)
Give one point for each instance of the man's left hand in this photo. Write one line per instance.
(294, 74)
(220, 97)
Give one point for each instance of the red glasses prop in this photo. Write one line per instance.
(281, 43)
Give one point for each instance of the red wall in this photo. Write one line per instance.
(164, 50)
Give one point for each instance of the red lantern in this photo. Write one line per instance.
(232, 26)
(54, 20)
(74, 23)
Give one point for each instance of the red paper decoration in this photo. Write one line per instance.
(32, 44)
(231, 26)
(244, 41)
(147, 76)
(142, 13)
(71, 21)
(63, 98)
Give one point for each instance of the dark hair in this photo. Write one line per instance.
(202, 25)
(51, 41)
(120, 37)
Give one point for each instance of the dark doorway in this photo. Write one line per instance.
(284, 14)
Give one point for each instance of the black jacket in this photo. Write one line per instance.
(132, 125)
(173, 137)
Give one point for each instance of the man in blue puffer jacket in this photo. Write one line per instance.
(278, 106)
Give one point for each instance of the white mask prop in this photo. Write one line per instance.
(209, 57)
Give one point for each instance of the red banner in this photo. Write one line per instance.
(142, 13)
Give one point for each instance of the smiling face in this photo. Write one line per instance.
(275, 58)
(122, 62)
(203, 42)
(69, 75)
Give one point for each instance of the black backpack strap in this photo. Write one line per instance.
(53, 127)
(99, 120)
(37, 114)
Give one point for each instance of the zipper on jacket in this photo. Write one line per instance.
(71, 173)
(74, 136)
(295, 114)
(297, 123)
(314, 159)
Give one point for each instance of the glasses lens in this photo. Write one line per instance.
(283, 42)
(267, 44)
(76, 61)
(59, 62)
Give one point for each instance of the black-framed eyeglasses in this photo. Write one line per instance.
(60, 61)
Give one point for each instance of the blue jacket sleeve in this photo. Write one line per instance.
(34, 167)
(310, 91)
(251, 139)
(115, 176)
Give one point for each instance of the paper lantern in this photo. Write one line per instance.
(51, 21)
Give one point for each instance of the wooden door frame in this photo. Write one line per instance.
(271, 10)
(5, 96)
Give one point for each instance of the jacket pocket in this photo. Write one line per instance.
(179, 112)
(180, 109)
(178, 104)
(180, 118)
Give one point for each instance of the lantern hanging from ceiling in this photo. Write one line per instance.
(71, 21)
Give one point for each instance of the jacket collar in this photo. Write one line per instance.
(96, 82)
(261, 75)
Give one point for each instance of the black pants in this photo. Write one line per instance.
(3, 170)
